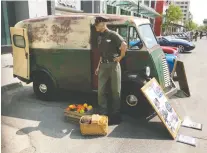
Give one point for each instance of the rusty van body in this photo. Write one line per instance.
(60, 52)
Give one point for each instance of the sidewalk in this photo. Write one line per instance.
(7, 70)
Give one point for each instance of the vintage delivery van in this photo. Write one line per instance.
(60, 52)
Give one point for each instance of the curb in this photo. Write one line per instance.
(11, 86)
(6, 49)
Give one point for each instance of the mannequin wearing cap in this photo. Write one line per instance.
(112, 48)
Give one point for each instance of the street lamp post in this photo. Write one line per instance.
(138, 8)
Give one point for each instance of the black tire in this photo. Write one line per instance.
(41, 81)
(142, 108)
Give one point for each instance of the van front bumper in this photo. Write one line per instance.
(173, 90)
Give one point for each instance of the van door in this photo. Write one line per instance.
(95, 56)
(20, 46)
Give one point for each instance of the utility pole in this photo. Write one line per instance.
(138, 8)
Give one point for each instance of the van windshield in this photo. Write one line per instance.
(147, 35)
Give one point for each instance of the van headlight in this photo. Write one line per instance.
(147, 71)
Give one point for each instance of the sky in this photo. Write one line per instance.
(198, 8)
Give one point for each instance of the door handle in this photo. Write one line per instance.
(26, 55)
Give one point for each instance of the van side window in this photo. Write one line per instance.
(19, 41)
(121, 30)
(134, 38)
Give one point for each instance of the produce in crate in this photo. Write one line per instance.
(79, 108)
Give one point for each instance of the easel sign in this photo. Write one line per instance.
(156, 97)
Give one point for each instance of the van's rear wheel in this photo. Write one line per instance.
(134, 102)
(43, 87)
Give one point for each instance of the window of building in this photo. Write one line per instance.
(111, 9)
(185, 6)
(137, 15)
(146, 3)
(186, 2)
(124, 12)
(145, 17)
(185, 11)
(153, 4)
(182, 2)
(182, 6)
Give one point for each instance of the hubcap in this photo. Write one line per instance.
(181, 48)
(43, 88)
(131, 100)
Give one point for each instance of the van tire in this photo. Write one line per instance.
(43, 87)
(142, 109)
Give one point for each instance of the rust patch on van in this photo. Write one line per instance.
(36, 33)
(59, 32)
(63, 28)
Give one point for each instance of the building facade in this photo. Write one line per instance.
(185, 7)
(140, 8)
(15, 11)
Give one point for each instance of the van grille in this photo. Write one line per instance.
(166, 72)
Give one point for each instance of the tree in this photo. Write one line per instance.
(190, 25)
(173, 15)
(202, 28)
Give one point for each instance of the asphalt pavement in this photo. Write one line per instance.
(30, 125)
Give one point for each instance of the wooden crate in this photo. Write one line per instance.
(75, 116)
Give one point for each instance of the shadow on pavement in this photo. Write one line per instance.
(23, 104)
(141, 130)
(179, 94)
(50, 118)
(187, 52)
(132, 129)
(8, 66)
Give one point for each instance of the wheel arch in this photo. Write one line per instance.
(43, 71)
(133, 79)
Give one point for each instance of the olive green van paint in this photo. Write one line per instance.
(157, 55)
(70, 68)
(138, 60)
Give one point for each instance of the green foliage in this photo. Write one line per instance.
(173, 15)
(202, 28)
(190, 25)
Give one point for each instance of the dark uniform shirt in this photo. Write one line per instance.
(109, 43)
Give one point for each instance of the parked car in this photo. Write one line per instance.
(170, 50)
(183, 45)
(182, 36)
(170, 61)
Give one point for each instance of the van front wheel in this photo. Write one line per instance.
(43, 87)
(134, 102)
